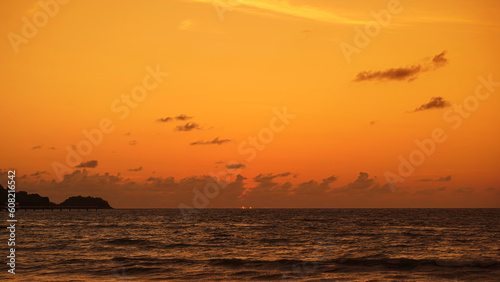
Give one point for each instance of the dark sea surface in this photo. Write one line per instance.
(258, 245)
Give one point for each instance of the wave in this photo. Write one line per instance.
(127, 241)
(390, 263)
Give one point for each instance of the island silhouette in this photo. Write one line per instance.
(25, 199)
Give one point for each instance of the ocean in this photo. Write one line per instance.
(258, 245)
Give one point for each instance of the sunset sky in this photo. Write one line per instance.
(354, 102)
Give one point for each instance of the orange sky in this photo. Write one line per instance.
(231, 66)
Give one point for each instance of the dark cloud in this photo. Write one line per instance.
(216, 141)
(434, 103)
(439, 60)
(314, 189)
(89, 164)
(330, 179)
(51, 148)
(440, 179)
(136, 169)
(128, 133)
(269, 190)
(39, 173)
(409, 73)
(235, 166)
(268, 178)
(363, 185)
(36, 147)
(372, 122)
(179, 117)
(132, 143)
(187, 127)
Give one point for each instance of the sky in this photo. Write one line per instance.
(239, 103)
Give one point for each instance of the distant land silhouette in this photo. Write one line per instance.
(26, 199)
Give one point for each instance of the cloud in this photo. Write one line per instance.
(187, 127)
(36, 147)
(135, 169)
(52, 148)
(363, 185)
(439, 60)
(464, 190)
(268, 178)
(235, 166)
(216, 141)
(434, 103)
(181, 117)
(269, 190)
(39, 173)
(128, 133)
(282, 8)
(429, 191)
(89, 164)
(372, 122)
(409, 73)
(314, 189)
(362, 182)
(132, 142)
(440, 179)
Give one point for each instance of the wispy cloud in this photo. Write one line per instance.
(187, 127)
(178, 118)
(409, 73)
(39, 173)
(440, 179)
(36, 147)
(235, 166)
(285, 8)
(434, 103)
(216, 141)
(136, 169)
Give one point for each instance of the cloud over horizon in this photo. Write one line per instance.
(269, 190)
